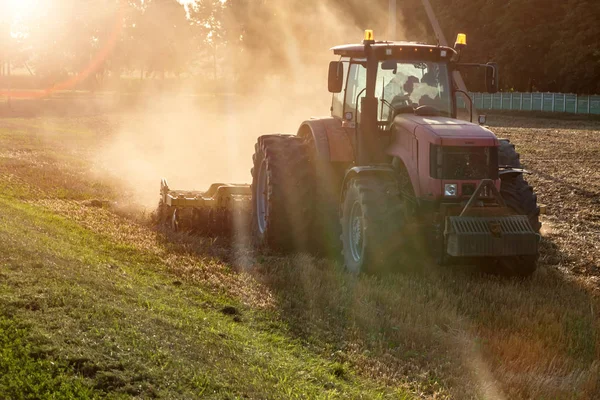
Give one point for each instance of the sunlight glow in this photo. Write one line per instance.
(21, 9)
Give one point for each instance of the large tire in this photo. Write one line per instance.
(326, 228)
(282, 199)
(519, 196)
(372, 224)
(515, 190)
(507, 155)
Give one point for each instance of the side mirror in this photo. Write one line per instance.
(336, 77)
(491, 77)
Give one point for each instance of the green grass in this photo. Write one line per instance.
(27, 372)
(86, 316)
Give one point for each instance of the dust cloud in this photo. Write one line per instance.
(195, 140)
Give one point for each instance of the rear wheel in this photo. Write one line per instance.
(372, 224)
(282, 184)
(519, 196)
(326, 229)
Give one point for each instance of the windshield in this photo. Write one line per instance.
(412, 84)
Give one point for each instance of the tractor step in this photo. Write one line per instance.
(221, 210)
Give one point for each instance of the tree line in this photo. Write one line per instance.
(539, 45)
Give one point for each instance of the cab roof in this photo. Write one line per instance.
(398, 50)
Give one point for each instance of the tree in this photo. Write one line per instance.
(539, 45)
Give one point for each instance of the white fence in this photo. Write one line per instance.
(550, 102)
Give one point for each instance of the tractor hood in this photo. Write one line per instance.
(446, 131)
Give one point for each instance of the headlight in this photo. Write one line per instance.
(450, 190)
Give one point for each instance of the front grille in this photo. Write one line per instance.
(463, 162)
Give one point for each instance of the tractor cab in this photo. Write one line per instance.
(390, 93)
(394, 78)
(408, 78)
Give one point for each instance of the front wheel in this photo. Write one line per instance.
(520, 197)
(372, 224)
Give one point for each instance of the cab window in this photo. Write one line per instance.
(357, 82)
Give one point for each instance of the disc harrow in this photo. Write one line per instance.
(222, 210)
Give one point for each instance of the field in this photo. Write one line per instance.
(95, 301)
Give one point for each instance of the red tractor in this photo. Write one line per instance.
(391, 168)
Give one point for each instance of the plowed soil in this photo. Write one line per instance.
(564, 160)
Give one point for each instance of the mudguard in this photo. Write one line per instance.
(331, 140)
(384, 170)
(513, 171)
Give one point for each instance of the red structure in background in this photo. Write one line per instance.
(92, 67)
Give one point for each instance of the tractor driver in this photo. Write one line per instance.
(402, 97)
(430, 95)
